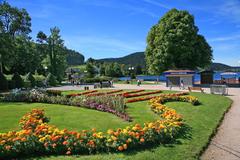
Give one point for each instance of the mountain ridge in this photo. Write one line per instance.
(138, 58)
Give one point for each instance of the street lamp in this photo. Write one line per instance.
(46, 68)
(131, 71)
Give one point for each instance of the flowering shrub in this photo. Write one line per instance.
(39, 137)
(105, 93)
(141, 94)
(104, 103)
(129, 92)
(80, 94)
(150, 97)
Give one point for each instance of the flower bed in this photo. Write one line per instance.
(80, 94)
(129, 92)
(105, 93)
(141, 94)
(38, 137)
(150, 97)
(111, 104)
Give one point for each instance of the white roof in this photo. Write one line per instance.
(228, 73)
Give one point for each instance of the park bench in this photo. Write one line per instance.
(104, 85)
(195, 89)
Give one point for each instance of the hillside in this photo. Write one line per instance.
(138, 58)
(134, 59)
(74, 57)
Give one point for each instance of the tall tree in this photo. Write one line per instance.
(56, 53)
(175, 43)
(14, 22)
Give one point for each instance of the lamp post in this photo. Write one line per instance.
(46, 68)
(131, 71)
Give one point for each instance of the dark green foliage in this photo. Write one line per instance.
(17, 81)
(3, 82)
(111, 69)
(90, 70)
(74, 58)
(51, 80)
(133, 59)
(54, 92)
(175, 43)
(27, 84)
(14, 23)
(29, 77)
(138, 70)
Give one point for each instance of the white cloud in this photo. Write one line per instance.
(230, 9)
(224, 38)
(156, 3)
(95, 45)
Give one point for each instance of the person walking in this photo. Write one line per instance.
(182, 85)
(138, 82)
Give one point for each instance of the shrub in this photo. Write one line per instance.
(3, 82)
(54, 92)
(27, 84)
(11, 84)
(29, 77)
(17, 81)
(51, 80)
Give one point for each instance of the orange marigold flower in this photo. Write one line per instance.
(54, 145)
(120, 148)
(65, 143)
(125, 146)
(142, 140)
(46, 144)
(8, 147)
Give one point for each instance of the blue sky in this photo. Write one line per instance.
(115, 28)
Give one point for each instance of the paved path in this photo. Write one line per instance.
(226, 144)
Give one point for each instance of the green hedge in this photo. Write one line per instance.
(3, 82)
(17, 81)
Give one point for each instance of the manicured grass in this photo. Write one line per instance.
(202, 121)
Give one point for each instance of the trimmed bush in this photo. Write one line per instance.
(51, 80)
(3, 82)
(17, 81)
(29, 77)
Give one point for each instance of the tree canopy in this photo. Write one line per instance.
(174, 42)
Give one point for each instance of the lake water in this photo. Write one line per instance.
(217, 76)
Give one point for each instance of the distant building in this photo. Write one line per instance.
(206, 77)
(175, 77)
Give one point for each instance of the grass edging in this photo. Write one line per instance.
(204, 148)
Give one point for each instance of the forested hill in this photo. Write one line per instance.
(138, 58)
(74, 57)
(134, 59)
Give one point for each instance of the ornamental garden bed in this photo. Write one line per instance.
(200, 126)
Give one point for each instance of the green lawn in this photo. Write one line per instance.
(202, 121)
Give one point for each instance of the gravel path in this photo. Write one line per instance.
(225, 145)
